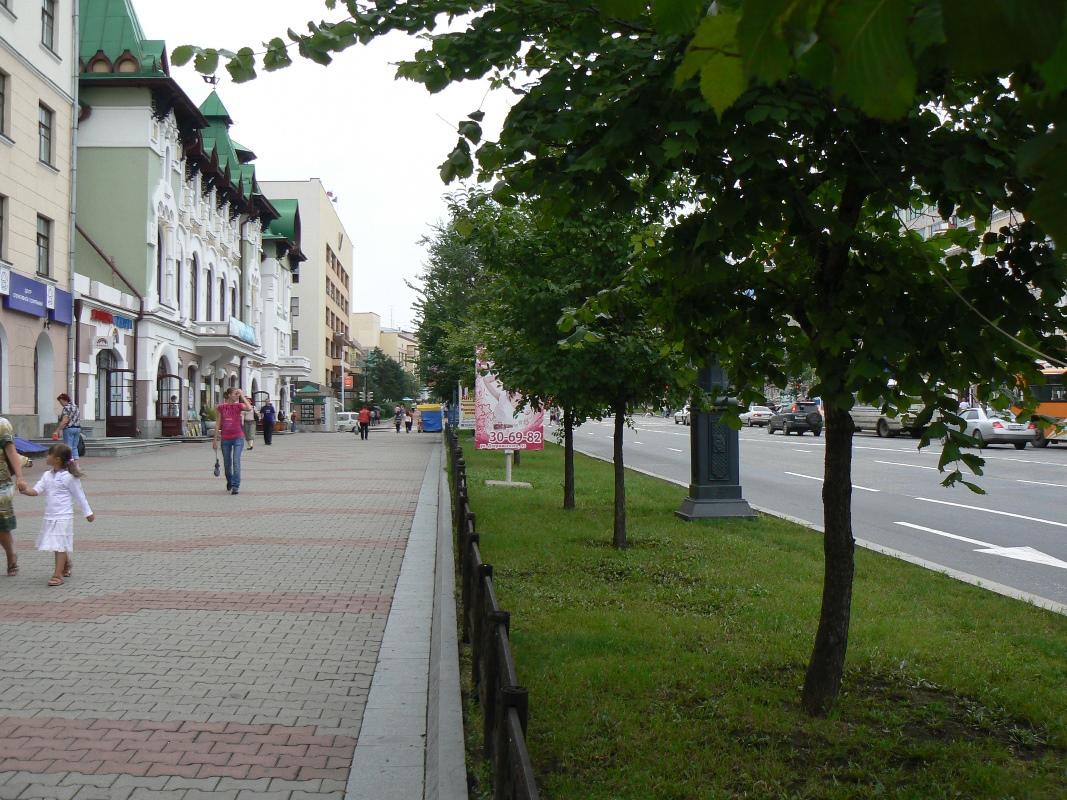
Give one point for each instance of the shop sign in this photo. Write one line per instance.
(62, 306)
(26, 296)
(242, 331)
(124, 323)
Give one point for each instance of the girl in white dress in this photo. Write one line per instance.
(60, 487)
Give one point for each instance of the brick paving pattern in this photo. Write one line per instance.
(207, 645)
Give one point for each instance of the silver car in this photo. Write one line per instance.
(756, 415)
(998, 427)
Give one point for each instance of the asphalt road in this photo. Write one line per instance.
(1015, 535)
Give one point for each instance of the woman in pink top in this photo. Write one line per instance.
(228, 426)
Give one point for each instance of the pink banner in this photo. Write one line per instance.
(499, 424)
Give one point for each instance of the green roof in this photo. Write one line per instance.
(285, 226)
(112, 27)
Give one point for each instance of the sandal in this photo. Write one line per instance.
(12, 570)
(55, 580)
(69, 569)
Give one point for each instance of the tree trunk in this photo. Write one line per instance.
(568, 460)
(823, 680)
(619, 540)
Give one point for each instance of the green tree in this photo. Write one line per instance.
(387, 379)
(804, 129)
(534, 270)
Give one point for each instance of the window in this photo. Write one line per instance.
(194, 278)
(44, 247)
(207, 304)
(294, 306)
(222, 300)
(178, 282)
(233, 301)
(3, 224)
(44, 126)
(161, 257)
(3, 102)
(296, 340)
(48, 24)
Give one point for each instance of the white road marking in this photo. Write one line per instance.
(801, 451)
(1042, 483)
(994, 511)
(813, 478)
(899, 464)
(1018, 553)
(675, 449)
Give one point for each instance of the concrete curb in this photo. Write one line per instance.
(974, 580)
(389, 762)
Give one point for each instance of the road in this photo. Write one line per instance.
(1015, 535)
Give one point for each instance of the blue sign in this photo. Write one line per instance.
(29, 297)
(242, 331)
(64, 310)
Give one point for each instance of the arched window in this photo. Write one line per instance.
(194, 270)
(160, 261)
(222, 299)
(178, 281)
(233, 301)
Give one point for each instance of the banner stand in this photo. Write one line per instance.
(508, 454)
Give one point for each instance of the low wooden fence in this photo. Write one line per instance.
(485, 627)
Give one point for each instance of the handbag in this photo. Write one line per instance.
(81, 445)
(218, 470)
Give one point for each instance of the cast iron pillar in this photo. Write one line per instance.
(715, 491)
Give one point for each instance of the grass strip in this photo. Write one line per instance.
(673, 669)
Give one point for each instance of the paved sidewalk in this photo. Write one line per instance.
(211, 645)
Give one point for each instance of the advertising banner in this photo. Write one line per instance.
(466, 412)
(499, 424)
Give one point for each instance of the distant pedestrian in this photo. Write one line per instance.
(70, 424)
(375, 417)
(268, 414)
(364, 423)
(60, 487)
(248, 424)
(418, 419)
(228, 428)
(10, 467)
(292, 421)
(398, 417)
(203, 421)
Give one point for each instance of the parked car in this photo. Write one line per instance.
(803, 415)
(682, 417)
(998, 427)
(347, 421)
(756, 415)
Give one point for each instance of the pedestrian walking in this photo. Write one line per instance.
(10, 468)
(248, 424)
(229, 429)
(364, 423)
(268, 414)
(203, 421)
(292, 420)
(70, 424)
(60, 487)
(407, 419)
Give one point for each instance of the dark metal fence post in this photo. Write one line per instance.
(491, 669)
(509, 697)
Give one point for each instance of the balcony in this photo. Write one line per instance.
(233, 337)
(294, 366)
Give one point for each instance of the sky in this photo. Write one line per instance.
(375, 142)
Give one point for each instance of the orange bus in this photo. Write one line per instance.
(1051, 406)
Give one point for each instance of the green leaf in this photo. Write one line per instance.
(471, 131)
(206, 62)
(277, 55)
(984, 35)
(621, 9)
(764, 50)
(873, 67)
(180, 56)
(722, 81)
(464, 227)
(715, 35)
(242, 67)
(309, 51)
(1054, 71)
(677, 16)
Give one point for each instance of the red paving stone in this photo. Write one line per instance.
(189, 749)
(110, 605)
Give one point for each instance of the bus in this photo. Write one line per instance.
(1051, 406)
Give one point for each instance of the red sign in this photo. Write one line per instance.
(103, 316)
(348, 382)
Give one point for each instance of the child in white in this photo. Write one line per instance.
(60, 487)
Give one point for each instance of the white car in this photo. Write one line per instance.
(998, 427)
(682, 417)
(756, 415)
(347, 421)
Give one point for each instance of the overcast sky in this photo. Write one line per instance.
(374, 142)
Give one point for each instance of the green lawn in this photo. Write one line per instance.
(673, 669)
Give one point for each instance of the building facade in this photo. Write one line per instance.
(38, 98)
(321, 331)
(169, 239)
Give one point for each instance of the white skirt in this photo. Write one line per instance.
(57, 535)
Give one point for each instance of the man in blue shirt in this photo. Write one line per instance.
(268, 414)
